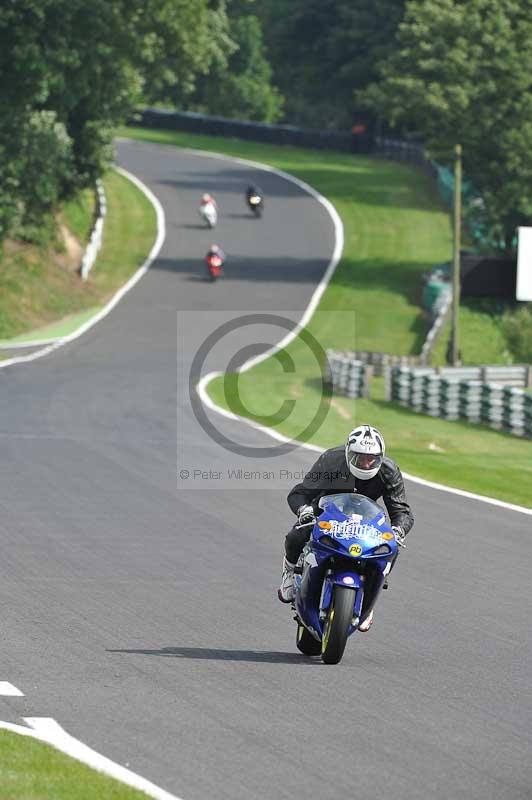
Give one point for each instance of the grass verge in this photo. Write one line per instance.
(395, 228)
(32, 770)
(79, 214)
(38, 291)
(482, 338)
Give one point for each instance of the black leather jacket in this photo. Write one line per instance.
(330, 475)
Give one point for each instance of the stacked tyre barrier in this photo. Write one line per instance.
(469, 397)
(381, 361)
(347, 376)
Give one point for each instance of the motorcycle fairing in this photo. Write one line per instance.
(325, 566)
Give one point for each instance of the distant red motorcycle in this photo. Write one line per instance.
(215, 261)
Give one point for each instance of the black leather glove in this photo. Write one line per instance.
(305, 514)
(400, 535)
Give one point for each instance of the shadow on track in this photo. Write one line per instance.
(235, 182)
(249, 215)
(250, 268)
(213, 654)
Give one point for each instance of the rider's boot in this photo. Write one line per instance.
(366, 623)
(286, 591)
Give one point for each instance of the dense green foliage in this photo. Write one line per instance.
(462, 72)
(449, 70)
(322, 50)
(71, 71)
(234, 76)
(239, 86)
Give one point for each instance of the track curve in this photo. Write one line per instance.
(143, 617)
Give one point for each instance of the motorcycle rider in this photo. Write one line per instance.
(253, 191)
(215, 250)
(206, 199)
(358, 466)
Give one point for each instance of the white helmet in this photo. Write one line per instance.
(364, 452)
(206, 198)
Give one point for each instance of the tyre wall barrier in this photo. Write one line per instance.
(379, 362)
(491, 395)
(347, 376)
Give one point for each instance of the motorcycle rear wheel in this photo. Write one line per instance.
(337, 624)
(306, 643)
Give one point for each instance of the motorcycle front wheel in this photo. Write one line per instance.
(337, 624)
(306, 643)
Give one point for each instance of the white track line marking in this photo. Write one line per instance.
(135, 278)
(49, 731)
(8, 690)
(314, 300)
(27, 345)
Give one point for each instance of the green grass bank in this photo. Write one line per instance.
(41, 292)
(395, 229)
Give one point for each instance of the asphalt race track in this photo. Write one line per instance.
(139, 610)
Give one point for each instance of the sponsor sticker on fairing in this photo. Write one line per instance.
(354, 530)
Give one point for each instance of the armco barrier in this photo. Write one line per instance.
(468, 393)
(442, 312)
(347, 376)
(243, 129)
(95, 241)
(402, 150)
(393, 148)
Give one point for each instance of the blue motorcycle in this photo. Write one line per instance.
(340, 573)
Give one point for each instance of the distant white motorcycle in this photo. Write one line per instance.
(209, 214)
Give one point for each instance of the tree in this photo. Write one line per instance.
(71, 71)
(240, 87)
(462, 73)
(181, 40)
(322, 50)
(23, 78)
(104, 55)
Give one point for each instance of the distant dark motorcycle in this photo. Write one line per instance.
(256, 204)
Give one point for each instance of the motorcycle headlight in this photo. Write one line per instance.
(382, 550)
(328, 541)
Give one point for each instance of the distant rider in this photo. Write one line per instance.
(207, 199)
(215, 250)
(359, 466)
(254, 191)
